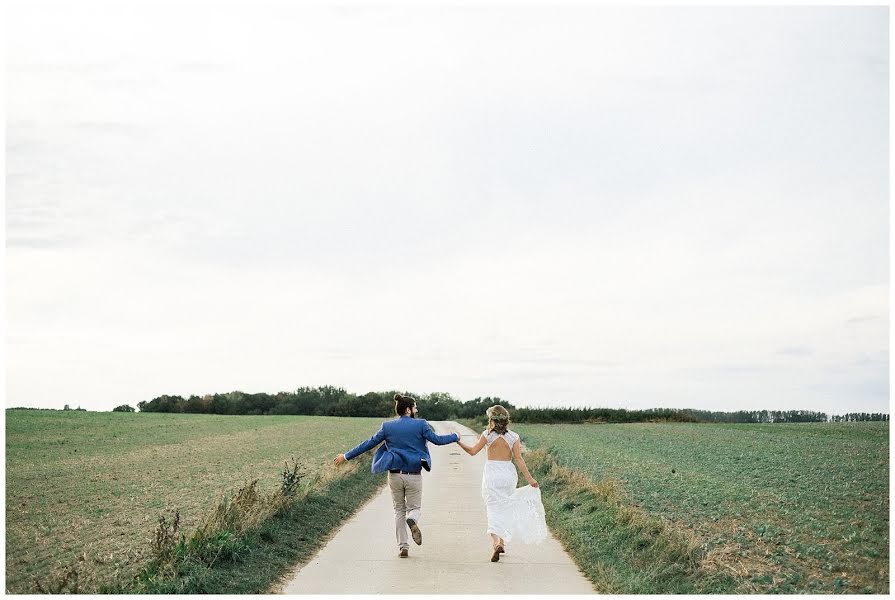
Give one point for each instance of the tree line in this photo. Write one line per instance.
(850, 417)
(760, 416)
(326, 401)
(439, 406)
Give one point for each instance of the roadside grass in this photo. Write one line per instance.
(84, 491)
(621, 548)
(740, 508)
(240, 552)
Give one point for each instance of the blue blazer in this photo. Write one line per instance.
(404, 445)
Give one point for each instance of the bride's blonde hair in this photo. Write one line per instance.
(498, 419)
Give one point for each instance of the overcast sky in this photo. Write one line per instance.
(653, 207)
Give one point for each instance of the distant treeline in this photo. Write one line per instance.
(321, 401)
(759, 416)
(336, 402)
(859, 417)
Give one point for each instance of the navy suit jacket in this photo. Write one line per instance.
(403, 445)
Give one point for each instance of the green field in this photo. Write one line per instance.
(87, 489)
(765, 508)
(643, 508)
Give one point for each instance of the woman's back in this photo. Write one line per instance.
(500, 446)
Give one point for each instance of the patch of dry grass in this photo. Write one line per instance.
(85, 490)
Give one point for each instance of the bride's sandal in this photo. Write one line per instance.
(495, 556)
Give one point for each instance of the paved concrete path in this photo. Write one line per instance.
(362, 557)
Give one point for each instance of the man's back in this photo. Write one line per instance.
(405, 433)
(403, 445)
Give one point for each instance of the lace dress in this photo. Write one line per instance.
(513, 514)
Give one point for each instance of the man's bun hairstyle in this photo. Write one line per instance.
(402, 403)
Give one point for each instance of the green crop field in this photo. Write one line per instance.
(765, 508)
(87, 489)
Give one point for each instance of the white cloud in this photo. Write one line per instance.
(645, 207)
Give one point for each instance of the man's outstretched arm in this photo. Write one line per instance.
(362, 447)
(439, 440)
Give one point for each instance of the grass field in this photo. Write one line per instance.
(643, 508)
(86, 489)
(781, 508)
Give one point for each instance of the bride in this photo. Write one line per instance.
(513, 514)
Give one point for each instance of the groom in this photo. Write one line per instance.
(404, 454)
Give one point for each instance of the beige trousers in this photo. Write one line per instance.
(407, 498)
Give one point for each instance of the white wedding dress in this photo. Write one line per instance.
(513, 514)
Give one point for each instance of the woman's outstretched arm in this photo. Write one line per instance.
(520, 462)
(473, 450)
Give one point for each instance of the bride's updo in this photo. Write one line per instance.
(498, 419)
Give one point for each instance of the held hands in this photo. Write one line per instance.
(339, 459)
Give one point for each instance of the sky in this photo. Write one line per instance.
(579, 206)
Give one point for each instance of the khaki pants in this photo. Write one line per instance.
(407, 498)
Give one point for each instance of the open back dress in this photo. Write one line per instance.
(513, 514)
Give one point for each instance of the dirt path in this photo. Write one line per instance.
(362, 557)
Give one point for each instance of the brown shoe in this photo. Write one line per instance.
(495, 556)
(403, 553)
(415, 532)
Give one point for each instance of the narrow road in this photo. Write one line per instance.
(362, 557)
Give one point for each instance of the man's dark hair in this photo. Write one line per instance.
(402, 403)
